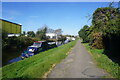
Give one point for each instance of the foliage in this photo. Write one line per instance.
(98, 40)
(25, 41)
(41, 33)
(49, 30)
(30, 34)
(23, 34)
(58, 31)
(105, 22)
(17, 42)
(37, 65)
(62, 38)
(83, 33)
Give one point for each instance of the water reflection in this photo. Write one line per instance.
(10, 56)
(14, 60)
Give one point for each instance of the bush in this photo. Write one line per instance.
(83, 33)
(98, 40)
(18, 42)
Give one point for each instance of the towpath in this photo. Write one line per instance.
(78, 64)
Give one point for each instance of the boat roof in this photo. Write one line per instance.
(33, 46)
(39, 41)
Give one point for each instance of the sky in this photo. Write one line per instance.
(68, 16)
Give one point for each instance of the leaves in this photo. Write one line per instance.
(105, 26)
(30, 34)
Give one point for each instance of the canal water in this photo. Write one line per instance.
(10, 56)
(14, 60)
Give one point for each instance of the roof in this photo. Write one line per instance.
(10, 22)
(39, 41)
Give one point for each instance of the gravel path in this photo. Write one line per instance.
(78, 64)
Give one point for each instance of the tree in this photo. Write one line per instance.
(49, 30)
(30, 34)
(58, 31)
(105, 29)
(24, 33)
(83, 33)
(106, 21)
(41, 33)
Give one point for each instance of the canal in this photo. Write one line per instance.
(10, 56)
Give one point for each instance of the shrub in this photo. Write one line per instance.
(98, 40)
(19, 42)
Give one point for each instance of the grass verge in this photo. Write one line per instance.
(104, 62)
(37, 65)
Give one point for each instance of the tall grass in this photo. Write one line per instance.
(36, 66)
(104, 62)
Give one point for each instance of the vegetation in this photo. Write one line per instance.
(104, 33)
(40, 34)
(36, 66)
(104, 62)
(17, 42)
(30, 34)
(83, 33)
(0, 73)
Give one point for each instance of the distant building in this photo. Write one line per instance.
(51, 35)
(11, 28)
(70, 38)
(10, 35)
(73, 38)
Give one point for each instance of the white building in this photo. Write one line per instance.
(73, 38)
(11, 35)
(70, 38)
(51, 35)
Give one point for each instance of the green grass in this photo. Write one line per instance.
(104, 62)
(0, 73)
(36, 66)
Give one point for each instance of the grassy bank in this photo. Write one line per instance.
(36, 66)
(104, 62)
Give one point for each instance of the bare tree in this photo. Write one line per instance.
(49, 30)
(58, 31)
(41, 33)
(42, 28)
